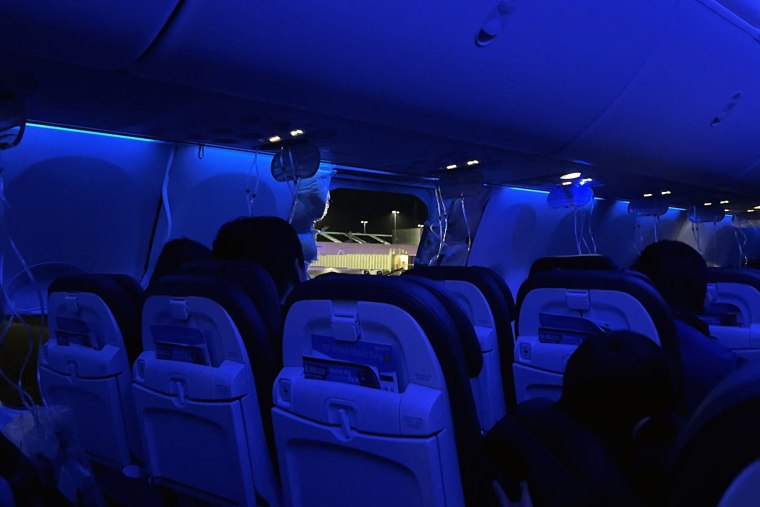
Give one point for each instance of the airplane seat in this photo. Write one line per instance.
(587, 262)
(744, 489)
(373, 406)
(86, 363)
(718, 449)
(202, 391)
(258, 284)
(491, 308)
(557, 310)
(733, 310)
(480, 379)
(562, 461)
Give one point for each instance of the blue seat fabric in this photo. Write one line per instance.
(438, 326)
(502, 304)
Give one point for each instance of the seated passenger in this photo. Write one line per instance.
(680, 274)
(271, 242)
(620, 385)
(605, 442)
(176, 253)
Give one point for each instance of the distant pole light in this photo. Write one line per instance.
(395, 215)
(364, 224)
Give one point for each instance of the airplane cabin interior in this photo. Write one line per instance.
(416, 254)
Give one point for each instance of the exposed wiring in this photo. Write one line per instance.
(696, 233)
(201, 151)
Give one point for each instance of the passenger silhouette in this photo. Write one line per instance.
(176, 253)
(621, 386)
(271, 242)
(680, 274)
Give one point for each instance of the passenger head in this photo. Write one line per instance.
(176, 253)
(678, 272)
(614, 381)
(270, 241)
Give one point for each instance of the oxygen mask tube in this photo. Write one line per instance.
(25, 397)
(443, 224)
(697, 238)
(294, 191)
(741, 243)
(467, 225)
(250, 194)
(167, 209)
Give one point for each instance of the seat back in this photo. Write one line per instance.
(202, 391)
(86, 363)
(373, 406)
(258, 286)
(490, 307)
(719, 446)
(592, 262)
(558, 309)
(733, 312)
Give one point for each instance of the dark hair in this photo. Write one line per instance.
(270, 241)
(176, 253)
(616, 379)
(677, 271)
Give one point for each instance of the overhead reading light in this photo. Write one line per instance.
(726, 210)
(708, 204)
(757, 207)
(586, 180)
(570, 176)
(451, 167)
(750, 211)
(473, 162)
(724, 202)
(665, 192)
(566, 183)
(647, 195)
(275, 139)
(296, 133)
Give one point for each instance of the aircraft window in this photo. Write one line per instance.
(368, 231)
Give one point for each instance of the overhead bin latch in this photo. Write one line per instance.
(578, 300)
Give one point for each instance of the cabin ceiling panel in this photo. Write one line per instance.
(414, 65)
(692, 113)
(109, 34)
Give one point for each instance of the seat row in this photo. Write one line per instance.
(379, 388)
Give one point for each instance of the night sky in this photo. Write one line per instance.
(349, 207)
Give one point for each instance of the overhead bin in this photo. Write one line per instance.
(694, 106)
(552, 69)
(107, 34)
